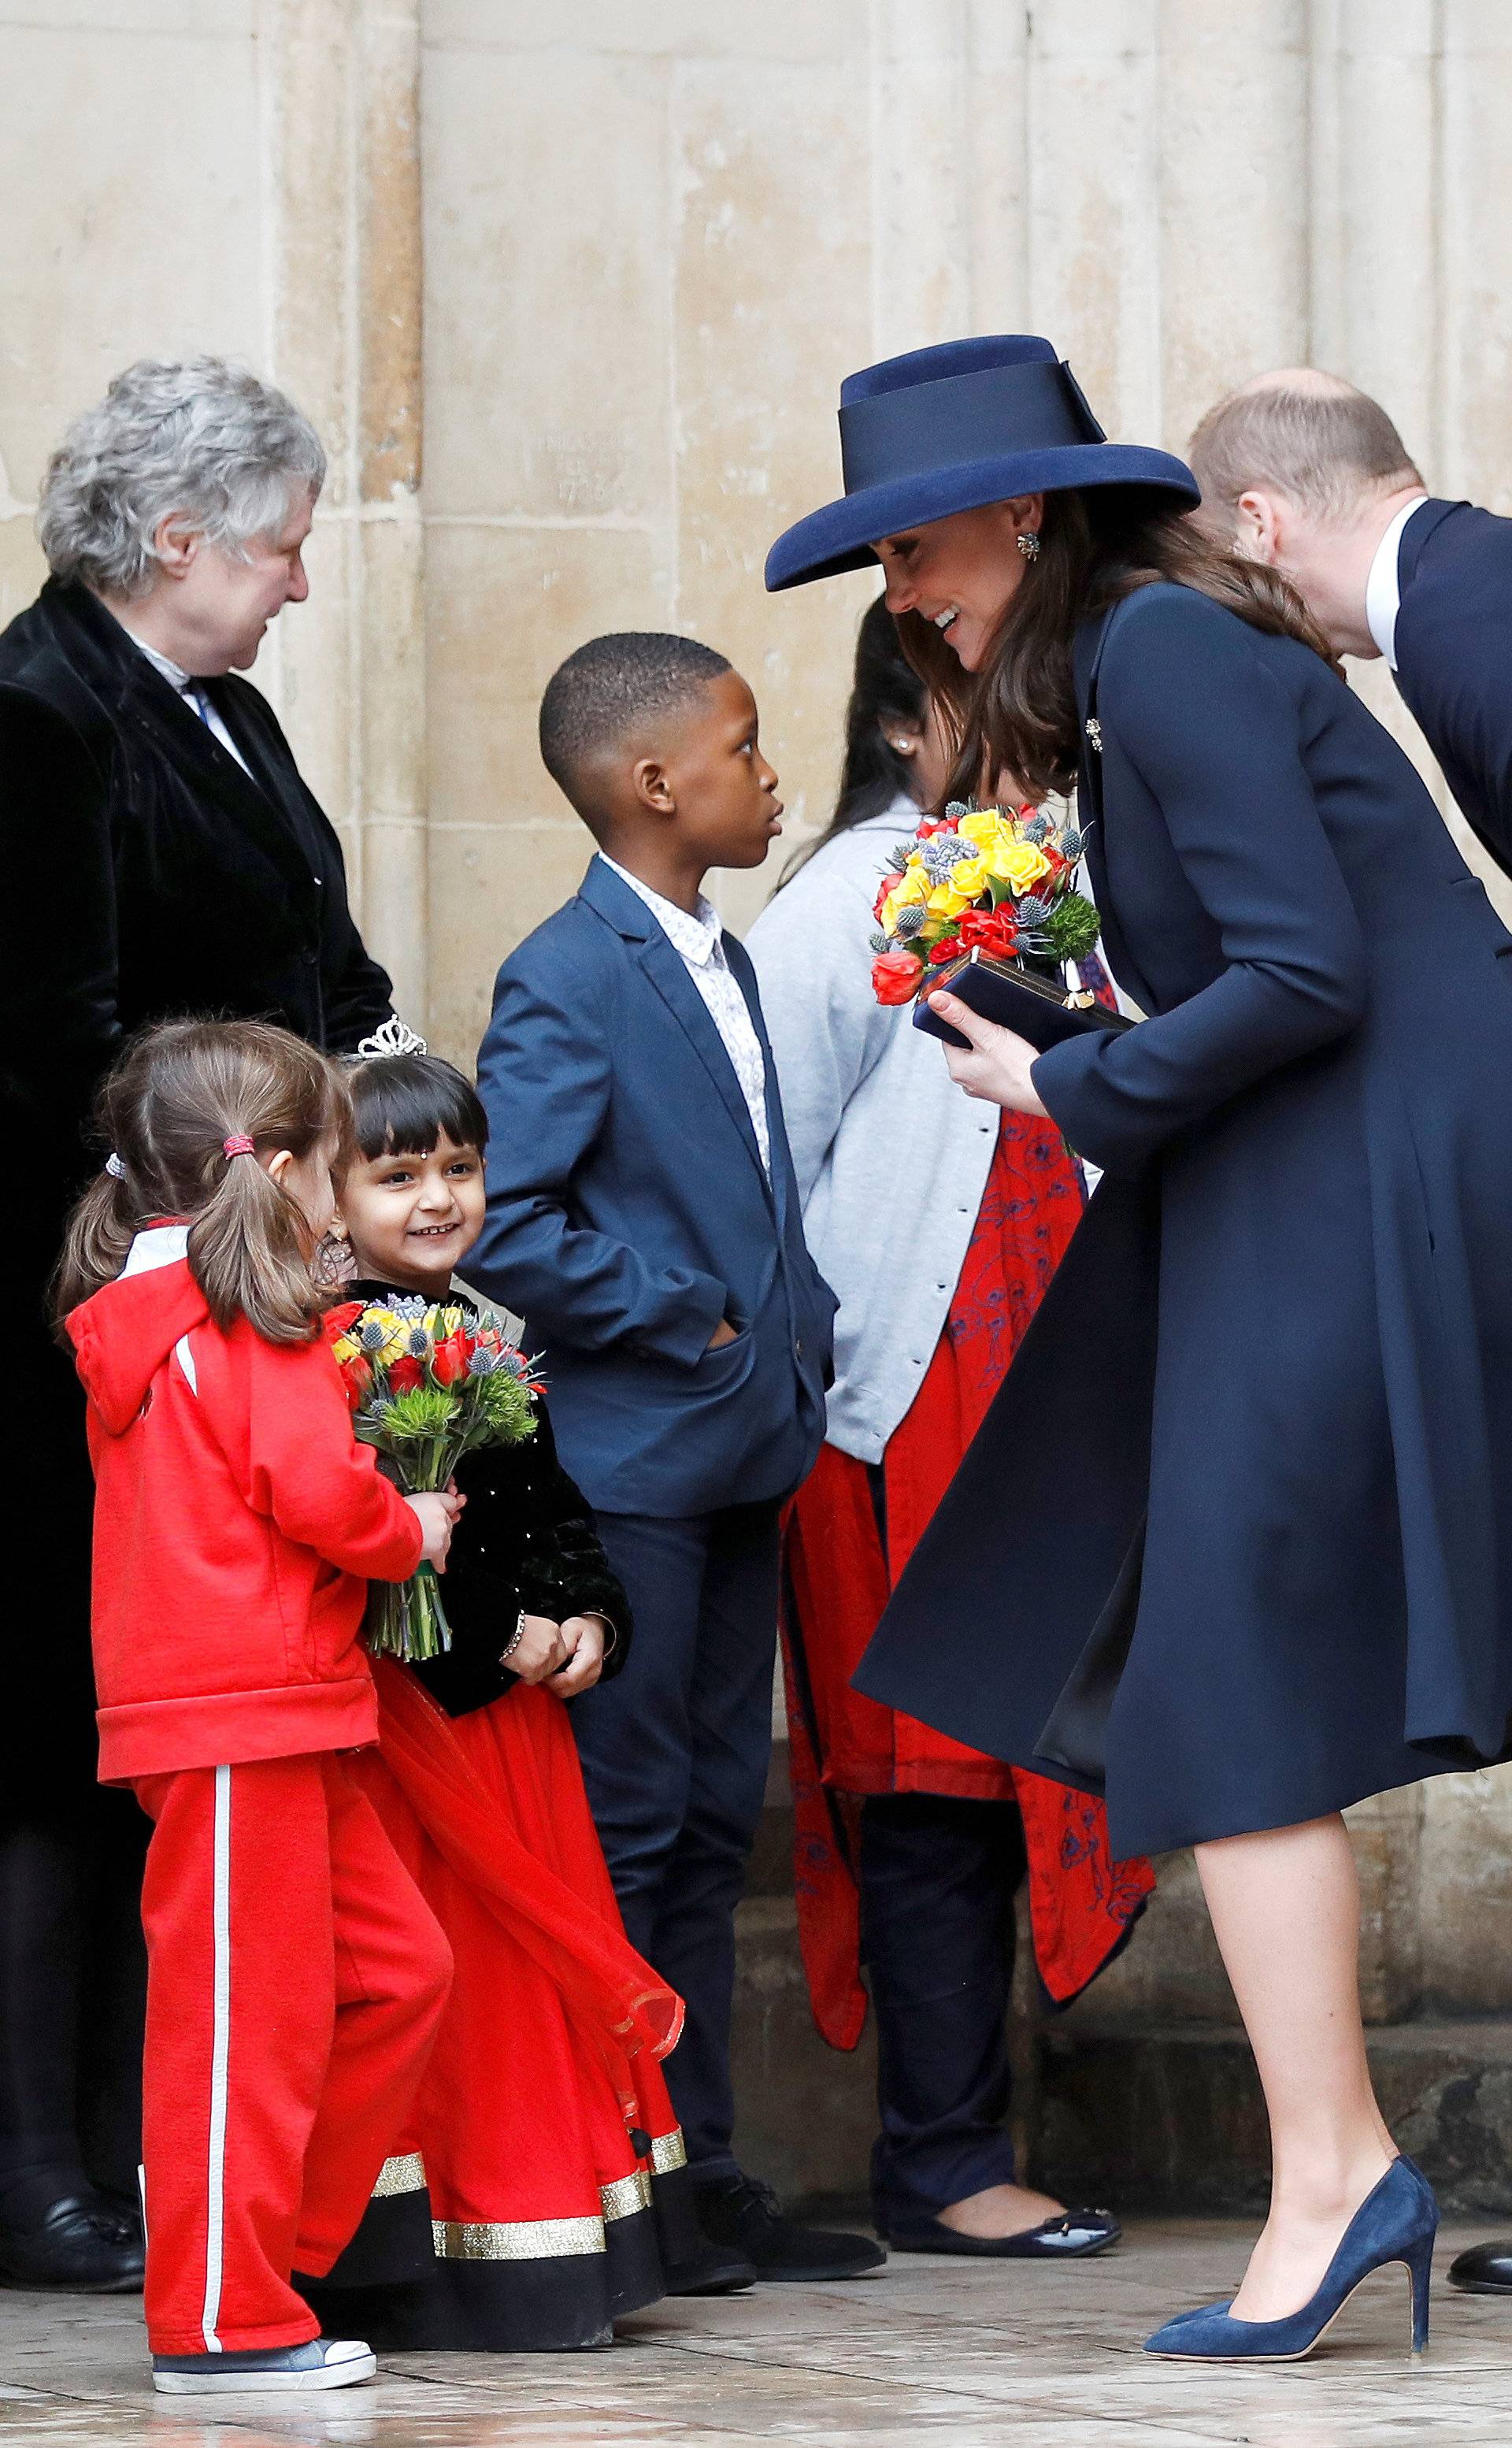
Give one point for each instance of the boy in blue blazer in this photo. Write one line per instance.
(644, 1217)
(1312, 476)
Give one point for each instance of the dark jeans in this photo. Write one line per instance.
(675, 1753)
(72, 1998)
(938, 1879)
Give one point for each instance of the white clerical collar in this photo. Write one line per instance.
(172, 673)
(696, 934)
(1383, 593)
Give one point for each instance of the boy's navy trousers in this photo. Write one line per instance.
(675, 1753)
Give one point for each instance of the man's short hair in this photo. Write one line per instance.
(607, 691)
(1309, 435)
(196, 436)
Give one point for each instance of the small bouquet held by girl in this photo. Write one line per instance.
(426, 1383)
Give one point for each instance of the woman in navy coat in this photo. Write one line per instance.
(1231, 1545)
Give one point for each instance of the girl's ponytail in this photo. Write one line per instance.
(179, 1103)
(250, 1250)
(100, 1233)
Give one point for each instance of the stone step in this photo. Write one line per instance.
(805, 2113)
(1169, 2116)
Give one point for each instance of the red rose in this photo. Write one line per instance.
(950, 948)
(405, 1374)
(336, 1321)
(895, 977)
(991, 931)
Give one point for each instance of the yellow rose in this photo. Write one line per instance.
(945, 902)
(985, 827)
(1020, 865)
(970, 875)
(344, 1349)
(911, 892)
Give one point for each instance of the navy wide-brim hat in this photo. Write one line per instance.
(952, 428)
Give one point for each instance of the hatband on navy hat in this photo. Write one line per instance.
(951, 429)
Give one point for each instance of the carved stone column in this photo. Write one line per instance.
(340, 87)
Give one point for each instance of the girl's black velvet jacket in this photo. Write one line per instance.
(525, 1540)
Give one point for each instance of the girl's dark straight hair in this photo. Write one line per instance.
(402, 1104)
(1018, 714)
(886, 688)
(178, 1093)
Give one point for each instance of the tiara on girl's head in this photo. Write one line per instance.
(394, 1037)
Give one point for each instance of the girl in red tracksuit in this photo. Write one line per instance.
(295, 1974)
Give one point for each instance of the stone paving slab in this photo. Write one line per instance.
(952, 2354)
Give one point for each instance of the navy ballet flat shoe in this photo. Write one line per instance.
(1071, 2235)
(1395, 2222)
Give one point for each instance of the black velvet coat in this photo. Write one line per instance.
(145, 875)
(525, 1540)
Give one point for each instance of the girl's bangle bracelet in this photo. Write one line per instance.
(513, 1642)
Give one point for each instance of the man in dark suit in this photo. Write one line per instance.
(644, 1216)
(161, 855)
(1311, 475)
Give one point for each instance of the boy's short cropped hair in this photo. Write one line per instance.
(402, 1104)
(608, 687)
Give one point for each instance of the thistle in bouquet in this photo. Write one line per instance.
(1000, 881)
(426, 1383)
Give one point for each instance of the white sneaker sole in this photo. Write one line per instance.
(248, 2383)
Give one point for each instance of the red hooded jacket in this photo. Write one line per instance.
(237, 1522)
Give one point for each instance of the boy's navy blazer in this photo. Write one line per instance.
(1454, 656)
(629, 1212)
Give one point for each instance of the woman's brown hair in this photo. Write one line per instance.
(166, 1110)
(1018, 714)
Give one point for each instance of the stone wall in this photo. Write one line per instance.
(570, 293)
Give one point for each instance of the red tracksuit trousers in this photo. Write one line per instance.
(295, 1980)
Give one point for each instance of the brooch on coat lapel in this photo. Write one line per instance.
(1095, 734)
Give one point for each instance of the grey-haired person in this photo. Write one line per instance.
(162, 855)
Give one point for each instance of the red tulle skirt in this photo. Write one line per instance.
(542, 2133)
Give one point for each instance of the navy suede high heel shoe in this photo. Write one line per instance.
(1395, 2222)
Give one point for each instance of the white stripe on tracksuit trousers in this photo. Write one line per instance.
(220, 2060)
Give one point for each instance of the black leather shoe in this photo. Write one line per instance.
(717, 2269)
(82, 2244)
(1485, 2269)
(1073, 2236)
(742, 2213)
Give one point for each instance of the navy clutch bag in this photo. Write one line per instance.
(1041, 1009)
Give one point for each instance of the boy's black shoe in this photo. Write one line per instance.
(711, 2269)
(743, 2211)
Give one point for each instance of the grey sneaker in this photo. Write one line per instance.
(324, 2363)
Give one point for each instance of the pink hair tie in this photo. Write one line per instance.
(240, 1146)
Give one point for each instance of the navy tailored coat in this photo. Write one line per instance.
(629, 1212)
(1454, 656)
(1235, 1544)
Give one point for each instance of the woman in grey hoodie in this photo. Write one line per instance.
(938, 1225)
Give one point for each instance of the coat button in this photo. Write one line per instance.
(797, 1348)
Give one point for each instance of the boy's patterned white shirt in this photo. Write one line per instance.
(699, 937)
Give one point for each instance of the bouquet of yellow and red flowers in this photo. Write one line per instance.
(994, 880)
(426, 1383)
